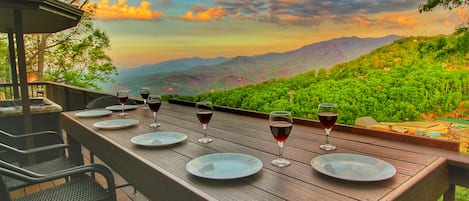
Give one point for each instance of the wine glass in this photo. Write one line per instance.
(327, 114)
(154, 103)
(123, 95)
(145, 92)
(204, 112)
(281, 123)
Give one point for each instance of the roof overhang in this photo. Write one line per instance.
(39, 16)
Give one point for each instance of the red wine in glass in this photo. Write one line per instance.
(145, 95)
(145, 92)
(204, 112)
(154, 106)
(327, 119)
(281, 123)
(123, 99)
(327, 115)
(154, 103)
(122, 95)
(281, 130)
(204, 117)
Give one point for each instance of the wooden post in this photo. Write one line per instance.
(450, 193)
(25, 102)
(14, 74)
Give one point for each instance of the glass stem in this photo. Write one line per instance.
(328, 132)
(280, 149)
(204, 126)
(122, 108)
(154, 117)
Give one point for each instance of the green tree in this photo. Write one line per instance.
(448, 4)
(4, 62)
(80, 59)
(322, 73)
(75, 56)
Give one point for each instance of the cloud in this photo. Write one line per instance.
(286, 1)
(199, 13)
(307, 12)
(240, 16)
(245, 7)
(447, 23)
(359, 20)
(463, 13)
(398, 20)
(290, 19)
(106, 11)
(459, 16)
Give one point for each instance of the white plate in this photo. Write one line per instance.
(353, 167)
(159, 138)
(115, 123)
(119, 107)
(224, 166)
(93, 113)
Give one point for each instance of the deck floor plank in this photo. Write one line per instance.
(17, 193)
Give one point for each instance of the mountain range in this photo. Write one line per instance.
(196, 75)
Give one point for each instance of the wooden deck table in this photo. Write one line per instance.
(160, 172)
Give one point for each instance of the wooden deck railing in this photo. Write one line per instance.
(34, 90)
(69, 97)
(75, 98)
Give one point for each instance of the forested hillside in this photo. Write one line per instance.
(397, 82)
(192, 76)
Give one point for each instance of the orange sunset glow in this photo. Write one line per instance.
(145, 32)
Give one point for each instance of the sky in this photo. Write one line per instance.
(151, 31)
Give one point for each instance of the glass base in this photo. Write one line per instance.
(155, 125)
(280, 162)
(328, 147)
(122, 113)
(144, 108)
(205, 140)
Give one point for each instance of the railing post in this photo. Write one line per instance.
(450, 193)
(67, 98)
(85, 98)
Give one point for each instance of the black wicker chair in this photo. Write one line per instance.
(44, 167)
(104, 101)
(81, 187)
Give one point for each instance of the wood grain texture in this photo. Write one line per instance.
(160, 172)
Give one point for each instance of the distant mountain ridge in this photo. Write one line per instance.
(196, 75)
(170, 66)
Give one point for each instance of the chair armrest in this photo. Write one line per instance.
(28, 134)
(30, 175)
(57, 138)
(36, 149)
(6, 165)
(35, 134)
